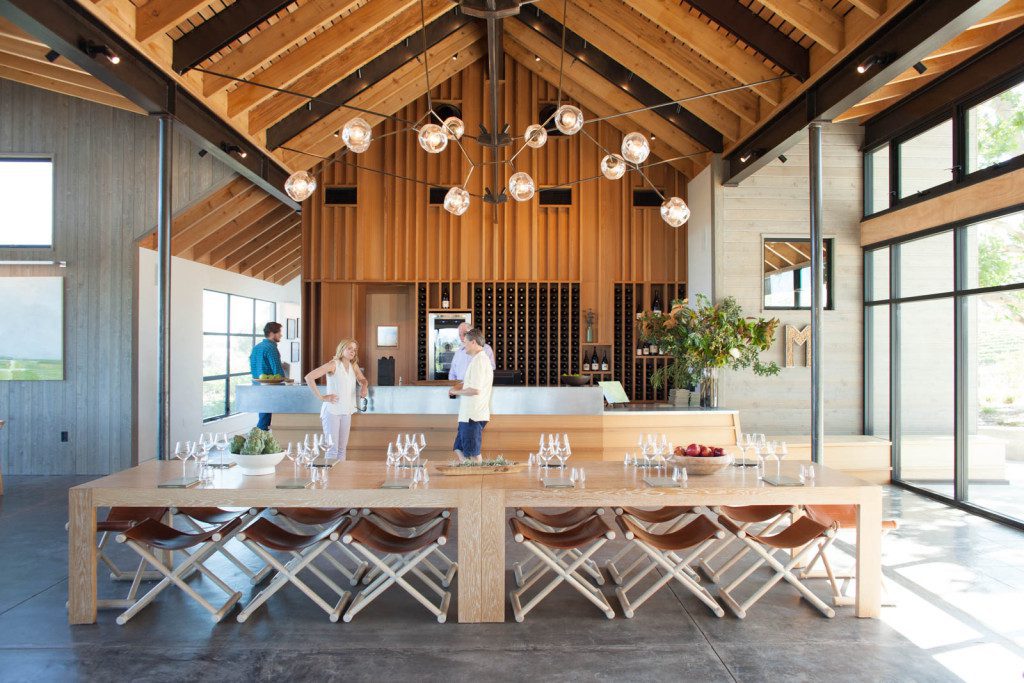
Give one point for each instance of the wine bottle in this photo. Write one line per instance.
(604, 362)
(639, 309)
(445, 301)
(640, 347)
(594, 363)
(652, 349)
(656, 303)
(586, 363)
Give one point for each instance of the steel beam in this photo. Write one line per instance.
(164, 200)
(817, 294)
(220, 30)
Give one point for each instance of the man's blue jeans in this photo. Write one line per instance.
(264, 421)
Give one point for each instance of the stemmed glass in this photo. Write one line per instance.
(203, 456)
(328, 442)
(562, 453)
(291, 453)
(222, 445)
(181, 453)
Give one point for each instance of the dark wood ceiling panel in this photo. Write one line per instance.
(221, 30)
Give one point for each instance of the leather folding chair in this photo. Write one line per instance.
(121, 519)
(405, 553)
(262, 536)
(746, 517)
(553, 522)
(150, 535)
(846, 517)
(199, 519)
(799, 538)
(402, 522)
(587, 537)
(664, 549)
(321, 518)
(660, 520)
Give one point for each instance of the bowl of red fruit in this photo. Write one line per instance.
(698, 459)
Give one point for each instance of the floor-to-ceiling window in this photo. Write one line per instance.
(944, 367)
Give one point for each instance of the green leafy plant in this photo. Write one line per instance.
(707, 336)
(499, 461)
(237, 442)
(258, 442)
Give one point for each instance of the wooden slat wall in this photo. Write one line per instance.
(105, 174)
(393, 234)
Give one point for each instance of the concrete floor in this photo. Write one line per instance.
(958, 582)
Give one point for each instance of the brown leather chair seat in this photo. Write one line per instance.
(315, 516)
(576, 536)
(372, 536)
(124, 518)
(209, 515)
(659, 516)
(694, 533)
(846, 516)
(561, 520)
(270, 535)
(158, 535)
(754, 514)
(401, 517)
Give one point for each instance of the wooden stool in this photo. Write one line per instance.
(402, 522)
(555, 521)
(746, 516)
(321, 518)
(660, 520)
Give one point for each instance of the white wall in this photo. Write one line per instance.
(701, 198)
(188, 280)
(774, 202)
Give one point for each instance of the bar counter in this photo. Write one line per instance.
(518, 416)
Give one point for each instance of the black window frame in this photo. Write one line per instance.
(256, 336)
(37, 158)
(830, 243)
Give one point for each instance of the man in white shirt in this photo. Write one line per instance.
(475, 398)
(460, 361)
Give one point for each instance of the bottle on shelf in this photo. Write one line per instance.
(652, 349)
(639, 309)
(446, 301)
(656, 302)
(594, 363)
(641, 348)
(586, 363)
(604, 362)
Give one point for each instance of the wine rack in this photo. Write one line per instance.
(421, 331)
(634, 370)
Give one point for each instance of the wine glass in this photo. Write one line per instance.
(565, 443)
(290, 452)
(391, 454)
(562, 454)
(181, 453)
(422, 439)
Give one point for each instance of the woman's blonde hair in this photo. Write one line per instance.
(341, 349)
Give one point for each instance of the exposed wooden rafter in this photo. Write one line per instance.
(814, 18)
(220, 30)
(159, 16)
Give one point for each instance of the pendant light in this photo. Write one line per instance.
(300, 185)
(357, 134)
(613, 166)
(635, 148)
(568, 119)
(455, 127)
(536, 135)
(432, 138)
(456, 201)
(675, 212)
(521, 186)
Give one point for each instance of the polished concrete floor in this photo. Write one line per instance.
(957, 580)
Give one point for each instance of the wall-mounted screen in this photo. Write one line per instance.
(32, 347)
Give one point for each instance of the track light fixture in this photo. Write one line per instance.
(202, 153)
(749, 155)
(52, 56)
(228, 148)
(920, 67)
(782, 158)
(873, 61)
(94, 50)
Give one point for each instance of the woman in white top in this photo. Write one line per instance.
(343, 374)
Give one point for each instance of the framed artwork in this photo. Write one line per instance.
(295, 352)
(34, 307)
(387, 335)
(291, 328)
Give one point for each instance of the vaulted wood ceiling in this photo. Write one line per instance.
(240, 228)
(368, 53)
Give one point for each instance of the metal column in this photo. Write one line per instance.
(817, 292)
(163, 284)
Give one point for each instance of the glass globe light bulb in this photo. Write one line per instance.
(300, 185)
(432, 138)
(521, 186)
(357, 134)
(536, 135)
(675, 212)
(613, 166)
(455, 127)
(456, 201)
(568, 119)
(636, 148)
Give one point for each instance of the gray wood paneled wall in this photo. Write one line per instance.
(105, 174)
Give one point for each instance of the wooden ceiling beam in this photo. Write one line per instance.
(772, 43)
(814, 18)
(194, 212)
(594, 102)
(273, 41)
(716, 47)
(184, 243)
(403, 87)
(284, 264)
(291, 274)
(659, 46)
(387, 39)
(263, 210)
(1014, 9)
(233, 250)
(222, 29)
(580, 50)
(269, 253)
(646, 67)
(159, 16)
(872, 8)
(338, 38)
(64, 74)
(978, 37)
(37, 80)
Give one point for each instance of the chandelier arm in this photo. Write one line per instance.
(594, 140)
(426, 67)
(468, 176)
(648, 180)
(517, 153)
(691, 98)
(310, 98)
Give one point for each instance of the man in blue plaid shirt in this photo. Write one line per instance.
(265, 359)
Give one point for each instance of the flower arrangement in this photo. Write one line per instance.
(258, 442)
(705, 338)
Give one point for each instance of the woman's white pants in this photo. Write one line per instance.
(338, 427)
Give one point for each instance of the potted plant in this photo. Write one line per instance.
(258, 453)
(703, 339)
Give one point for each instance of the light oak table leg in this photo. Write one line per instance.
(469, 556)
(869, 554)
(81, 557)
(492, 548)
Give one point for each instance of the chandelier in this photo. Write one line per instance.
(436, 135)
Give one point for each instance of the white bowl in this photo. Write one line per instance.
(255, 465)
(701, 465)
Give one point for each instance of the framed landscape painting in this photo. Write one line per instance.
(32, 309)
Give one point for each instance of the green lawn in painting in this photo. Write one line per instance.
(26, 369)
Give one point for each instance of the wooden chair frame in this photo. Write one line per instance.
(525, 570)
(354, 576)
(445, 576)
(620, 576)
(771, 524)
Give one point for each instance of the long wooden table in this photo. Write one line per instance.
(481, 503)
